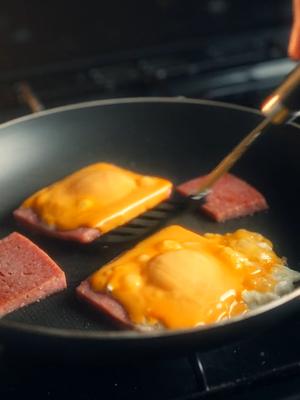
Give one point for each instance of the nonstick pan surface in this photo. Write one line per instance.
(175, 138)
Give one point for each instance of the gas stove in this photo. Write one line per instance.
(235, 62)
(217, 49)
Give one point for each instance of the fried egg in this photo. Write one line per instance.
(180, 279)
(101, 196)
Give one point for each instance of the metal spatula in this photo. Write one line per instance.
(278, 108)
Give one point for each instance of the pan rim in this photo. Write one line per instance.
(128, 335)
(115, 335)
(129, 100)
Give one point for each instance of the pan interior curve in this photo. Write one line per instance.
(177, 140)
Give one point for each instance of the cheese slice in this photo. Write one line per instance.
(101, 196)
(181, 279)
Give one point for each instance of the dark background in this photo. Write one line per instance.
(41, 33)
(69, 52)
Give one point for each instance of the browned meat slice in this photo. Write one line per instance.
(27, 273)
(28, 218)
(105, 303)
(231, 197)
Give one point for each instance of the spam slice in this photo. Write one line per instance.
(230, 197)
(27, 273)
(179, 279)
(91, 202)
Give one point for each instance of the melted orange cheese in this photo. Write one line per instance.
(101, 196)
(181, 279)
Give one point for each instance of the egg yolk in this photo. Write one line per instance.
(100, 196)
(180, 279)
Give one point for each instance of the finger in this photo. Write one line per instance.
(294, 41)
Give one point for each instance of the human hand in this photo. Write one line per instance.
(294, 42)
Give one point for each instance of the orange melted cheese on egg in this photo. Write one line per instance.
(180, 279)
(101, 196)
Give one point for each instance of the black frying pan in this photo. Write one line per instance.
(178, 139)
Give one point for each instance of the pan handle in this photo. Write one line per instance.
(29, 97)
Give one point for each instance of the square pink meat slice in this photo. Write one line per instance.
(104, 303)
(29, 219)
(27, 273)
(230, 197)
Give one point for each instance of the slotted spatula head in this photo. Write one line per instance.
(153, 219)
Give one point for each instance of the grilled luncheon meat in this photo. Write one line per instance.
(27, 273)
